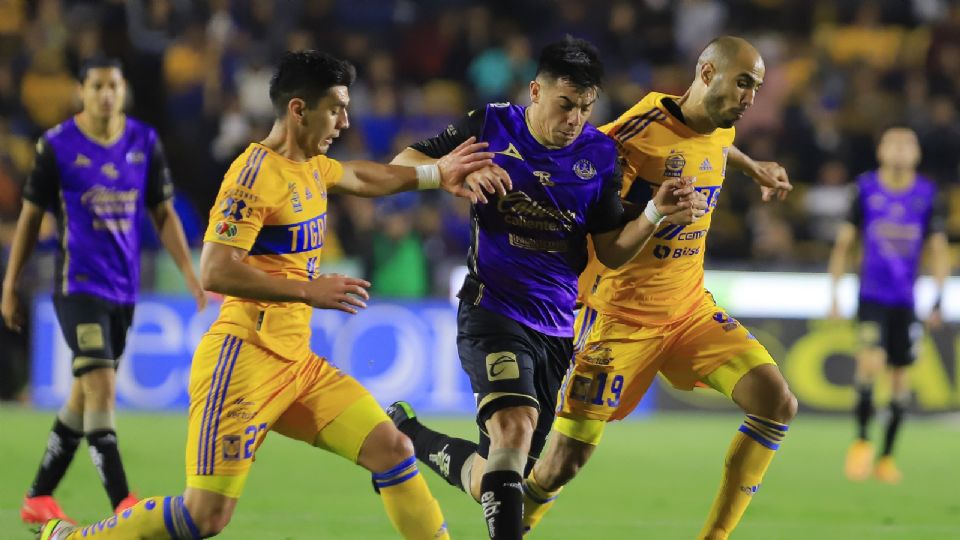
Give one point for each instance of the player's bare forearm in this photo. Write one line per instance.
(618, 247)
(24, 241)
(223, 271)
(370, 179)
(170, 230)
(411, 157)
(739, 160)
(846, 235)
(939, 259)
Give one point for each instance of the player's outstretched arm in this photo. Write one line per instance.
(223, 271)
(846, 236)
(770, 175)
(369, 179)
(24, 241)
(676, 201)
(170, 231)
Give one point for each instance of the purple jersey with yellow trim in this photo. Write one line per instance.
(98, 191)
(529, 246)
(893, 225)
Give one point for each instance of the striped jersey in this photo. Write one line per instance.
(665, 281)
(276, 209)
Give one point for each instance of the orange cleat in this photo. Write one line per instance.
(859, 461)
(39, 510)
(887, 471)
(127, 502)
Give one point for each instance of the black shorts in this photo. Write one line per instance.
(95, 330)
(895, 329)
(511, 365)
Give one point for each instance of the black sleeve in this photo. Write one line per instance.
(937, 220)
(43, 185)
(607, 214)
(470, 125)
(159, 185)
(855, 213)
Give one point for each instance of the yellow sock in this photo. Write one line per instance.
(157, 518)
(536, 502)
(409, 504)
(747, 460)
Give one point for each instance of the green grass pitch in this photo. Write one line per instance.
(651, 479)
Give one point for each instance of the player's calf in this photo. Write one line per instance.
(209, 511)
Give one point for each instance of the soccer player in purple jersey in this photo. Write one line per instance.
(529, 245)
(97, 172)
(896, 211)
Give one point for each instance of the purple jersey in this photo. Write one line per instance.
(98, 193)
(529, 247)
(893, 225)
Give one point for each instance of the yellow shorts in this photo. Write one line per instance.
(616, 361)
(239, 392)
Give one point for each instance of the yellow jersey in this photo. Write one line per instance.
(665, 281)
(276, 210)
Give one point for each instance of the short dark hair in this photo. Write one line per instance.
(307, 75)
(98, 61)
(574, 59)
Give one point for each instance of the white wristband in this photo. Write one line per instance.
(652, 213)
(428, 176)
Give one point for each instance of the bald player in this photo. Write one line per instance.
(653, 315)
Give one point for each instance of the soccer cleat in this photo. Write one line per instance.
(401, 412)
(55, 529)
(887, 471)
(859, 461)
(128, 502)
(41, 509)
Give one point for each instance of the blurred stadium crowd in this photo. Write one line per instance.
(838, 71)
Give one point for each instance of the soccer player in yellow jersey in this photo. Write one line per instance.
(253, 372)
(653, 314)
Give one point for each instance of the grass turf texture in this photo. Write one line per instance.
(653, 479)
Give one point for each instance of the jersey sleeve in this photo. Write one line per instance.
(43, 184)
(607, 214)
(444, 142)
(330, 170)
(159, 183)
(240, 209)
(937, 220)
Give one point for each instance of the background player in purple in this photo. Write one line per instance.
(896, 211)
(96, 172)
(515, 321)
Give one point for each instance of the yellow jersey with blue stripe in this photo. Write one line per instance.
(665, 281)
(276, 210)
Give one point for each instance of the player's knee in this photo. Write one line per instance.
(210, 519)
(384, 448)
(512, 427)
(785, 408)
(98, 387)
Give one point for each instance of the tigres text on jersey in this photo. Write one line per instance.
(276, 209)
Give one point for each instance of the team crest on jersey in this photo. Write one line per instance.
(544, 178)
(136, 157)
(295, 198)
(110, 171)
(674, 164)
(81, 161)
(225, 230)
(584, 169)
